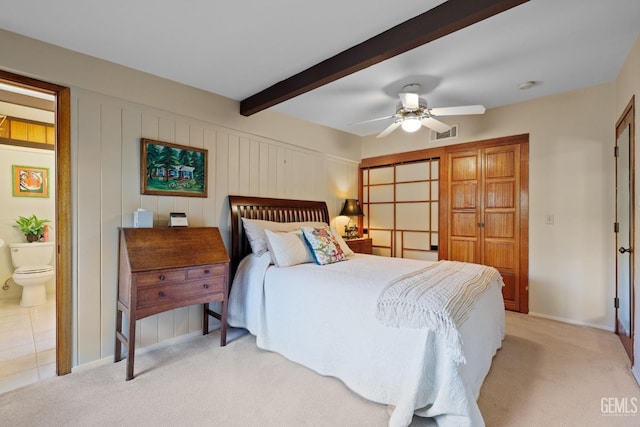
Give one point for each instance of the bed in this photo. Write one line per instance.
(328, 318)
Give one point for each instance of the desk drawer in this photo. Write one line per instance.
(206, 271)
(161, 277)
(181, 294)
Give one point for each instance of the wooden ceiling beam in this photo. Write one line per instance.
(448, 17)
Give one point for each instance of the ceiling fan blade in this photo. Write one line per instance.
(436, 125)
(372, 120)
(457, 111)
(393, 126)
(410, 101)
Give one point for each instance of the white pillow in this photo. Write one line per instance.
(345, 248)
(254, 230)
(288, 249)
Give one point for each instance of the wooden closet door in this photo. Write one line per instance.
(464, 207)
(500, 217)
(484, 213)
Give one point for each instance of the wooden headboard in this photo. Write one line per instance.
(268, 209)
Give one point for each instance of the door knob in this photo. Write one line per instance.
(623, 250)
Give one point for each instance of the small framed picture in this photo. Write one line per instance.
(172, 170)
(30, 181)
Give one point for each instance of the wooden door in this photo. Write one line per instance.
(464, 206)
(624, 228)
(500, 217)
(484, 213)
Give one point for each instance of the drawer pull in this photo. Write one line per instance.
(206, 286)
(207, 272)
(163, 277)
(162, 294)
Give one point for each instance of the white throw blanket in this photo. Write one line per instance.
(438, 297)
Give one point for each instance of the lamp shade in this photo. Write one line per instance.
(351, 208)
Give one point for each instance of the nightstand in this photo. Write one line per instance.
(363, 245)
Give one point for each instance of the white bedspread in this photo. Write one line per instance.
(323, 317)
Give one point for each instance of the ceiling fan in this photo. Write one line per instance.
(413, 113)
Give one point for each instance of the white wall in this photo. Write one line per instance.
(268, 154)
(571, 176)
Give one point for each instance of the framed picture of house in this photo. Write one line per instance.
(30, 181)
(172, 170)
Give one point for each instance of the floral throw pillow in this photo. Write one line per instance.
(324, 245)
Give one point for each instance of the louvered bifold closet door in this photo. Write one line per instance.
(501, 216)
(484, 212)
(464, 206)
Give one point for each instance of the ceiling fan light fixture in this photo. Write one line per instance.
(528, 85)
(411, 124)
(412, 113)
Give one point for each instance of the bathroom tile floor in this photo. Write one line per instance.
(27, 343)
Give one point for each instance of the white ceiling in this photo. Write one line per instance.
(237, 49)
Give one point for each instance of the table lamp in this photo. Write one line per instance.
(351, 208)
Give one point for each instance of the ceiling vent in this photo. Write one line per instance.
(442, 136)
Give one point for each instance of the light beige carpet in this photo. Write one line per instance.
(550, 373)
(546, 374)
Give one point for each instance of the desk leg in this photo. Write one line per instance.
(131, 348)
(220, 316)
(117, 355)
(205, 319)
(223, 324)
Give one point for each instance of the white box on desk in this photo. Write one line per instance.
(143, 219)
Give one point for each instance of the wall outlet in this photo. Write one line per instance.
(548, 219)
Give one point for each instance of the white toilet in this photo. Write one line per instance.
(33, 271)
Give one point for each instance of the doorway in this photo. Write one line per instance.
(62, 233)
(624, 228)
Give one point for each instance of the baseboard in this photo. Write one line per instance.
(140, 350)
(214, 325)
(571, 321)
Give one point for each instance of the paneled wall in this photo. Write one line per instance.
(106, 136)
